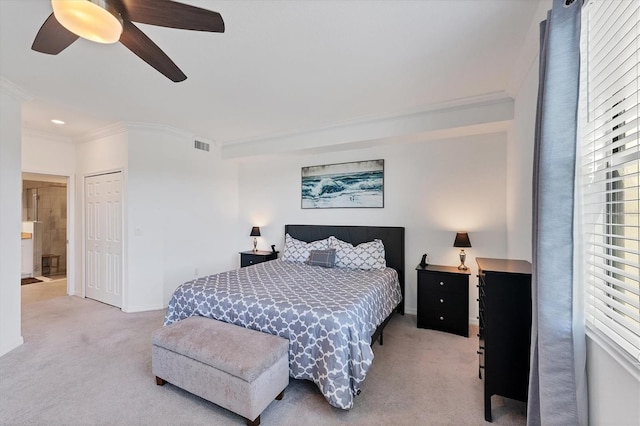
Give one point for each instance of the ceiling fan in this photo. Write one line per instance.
(109, 21)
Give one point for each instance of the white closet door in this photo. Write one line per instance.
(103, 238)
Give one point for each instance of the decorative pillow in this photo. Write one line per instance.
(298, 251)
(366, 256)
(325, 258)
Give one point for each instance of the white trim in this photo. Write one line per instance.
(621, 357)
(14, 90)
(460, 103)
(103, 132)
(143, 308)
(410, 311)
(35, 133)
(490, 115)
(13, 345)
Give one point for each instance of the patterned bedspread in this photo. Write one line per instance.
(328, 315)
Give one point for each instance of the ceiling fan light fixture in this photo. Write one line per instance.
(95, 20)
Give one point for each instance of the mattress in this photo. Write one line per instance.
(328, 315)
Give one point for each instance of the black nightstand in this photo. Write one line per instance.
(248, 258)
(443, 299)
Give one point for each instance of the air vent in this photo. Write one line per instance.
(202, 146)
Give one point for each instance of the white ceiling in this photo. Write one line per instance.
(280, 67)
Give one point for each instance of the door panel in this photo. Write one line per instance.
(103, 206)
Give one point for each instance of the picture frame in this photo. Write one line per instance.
(357, 184)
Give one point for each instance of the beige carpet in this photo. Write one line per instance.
(86, 363)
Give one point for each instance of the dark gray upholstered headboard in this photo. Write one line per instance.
(391, 236)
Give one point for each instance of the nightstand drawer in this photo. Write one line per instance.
(449, 283)
(445, 313)
(248, 258)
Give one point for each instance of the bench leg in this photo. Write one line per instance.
(256, 422)
(159, 381)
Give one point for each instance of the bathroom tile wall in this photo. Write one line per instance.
(46, 203)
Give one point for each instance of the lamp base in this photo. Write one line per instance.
(463, 257)
(255, 244)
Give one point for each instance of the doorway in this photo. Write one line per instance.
(44, 227)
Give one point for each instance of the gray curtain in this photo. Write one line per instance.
(557, 392)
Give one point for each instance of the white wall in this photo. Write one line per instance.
(10, 221)
(182, 214)
(432, 188)
(520, 168)
(47, 154)
(97, 154)
(614, 394)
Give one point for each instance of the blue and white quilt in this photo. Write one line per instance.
(328, 315)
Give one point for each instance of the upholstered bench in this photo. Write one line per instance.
(234, 367)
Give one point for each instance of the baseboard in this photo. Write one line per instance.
(133, 309)
(410, 311)
(11, 346)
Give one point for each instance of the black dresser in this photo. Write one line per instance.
(504, 288)
(443, 299)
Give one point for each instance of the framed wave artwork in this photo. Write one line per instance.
(345, 185)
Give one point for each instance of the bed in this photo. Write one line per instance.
(331, 316)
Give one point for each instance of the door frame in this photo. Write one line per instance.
(71, 224)
(83, 232)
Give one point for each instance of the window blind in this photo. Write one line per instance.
(608, 171)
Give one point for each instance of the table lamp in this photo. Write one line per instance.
(255, 232)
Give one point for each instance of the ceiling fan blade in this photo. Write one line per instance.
(136, 41)
(52, 38)
(167, 13)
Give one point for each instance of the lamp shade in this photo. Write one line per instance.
(255, 232)
(462, 240)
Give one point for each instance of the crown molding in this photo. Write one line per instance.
(127, 126)
(486, 113)
(487, 98)
(14, 90)
(160, 128)
(102, 132)
(36, 133)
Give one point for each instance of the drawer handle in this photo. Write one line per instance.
(441, 318)
(441, 283)
(441, 300)
(479, 353)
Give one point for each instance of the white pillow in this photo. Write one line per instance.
(366, 256)
(298, 251)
